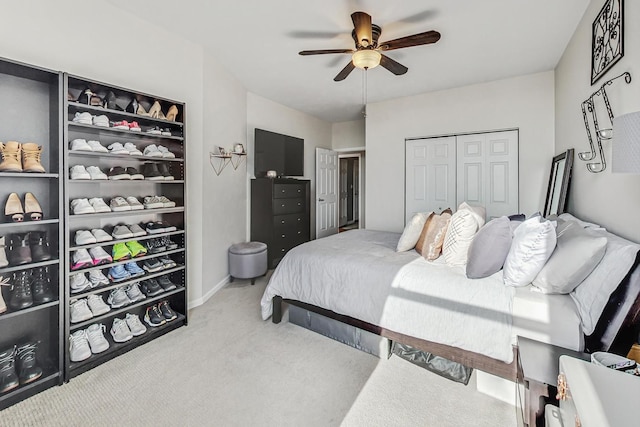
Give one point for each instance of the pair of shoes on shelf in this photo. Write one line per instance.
(122, 330)
(128, 148)
(89, 206)
(24, 248)
(121, 272)
(125, 125)
(158, 202)
(127, 231)
(154, 150)
(85, 342)
(155, 112)
(120, 204)
(83, 258)
(13, 208)
(78, 282)
(96, 235)
(128, 250)
(93, 173)
(157, 130)
(117, 173)
(26, 288)
(88, 97)
(24, 358)
(155, 227)
(158, 264)
(80, 144)
(157, 172)
(159, 314)
(160, 244)
(17, 157)
(87, 308)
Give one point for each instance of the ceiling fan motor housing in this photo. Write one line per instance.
(375, 35)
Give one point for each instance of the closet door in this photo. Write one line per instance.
(430, 175)
(487, 166)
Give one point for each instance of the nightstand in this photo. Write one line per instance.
(537, 378)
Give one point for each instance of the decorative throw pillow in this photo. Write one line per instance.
(412, 232)
(577, 253)
(464, 224)
(489, 248)
(435, 235)
(533, 243)
(423, 233)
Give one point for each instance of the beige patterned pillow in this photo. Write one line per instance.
(435, 235)
(423, 234)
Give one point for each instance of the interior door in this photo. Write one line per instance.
(356, 189)
(343, 192)
(430, 175)
(326, 192)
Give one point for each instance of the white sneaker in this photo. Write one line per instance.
(95, 173)
(152, 151)
(97, 306)
(165, 152)
(84, 237)
(153, 202)
(120, 331)
(121, 232)
(79, 145)
(166, 202)
(81, 259)
(80, 311)
(99, 205)
(101, 235)
(81, 206)
(78, 283)
(99, 255)
(119, 204)
(117, 148)
(96, 339)
(134, 203)
(83, 118)
(135, 325)
(136, 229)
(132, 149)
(97, 147)
(79, 346)
(79, 172)
(97, 278)
(102, 121)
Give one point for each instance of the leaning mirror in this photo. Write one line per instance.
(559, 180)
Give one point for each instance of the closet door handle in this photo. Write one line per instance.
(320, 200)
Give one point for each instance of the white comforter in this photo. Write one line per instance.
(359, 274)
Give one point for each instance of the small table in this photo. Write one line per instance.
(538, 367)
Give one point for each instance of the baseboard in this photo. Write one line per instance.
(199, 301)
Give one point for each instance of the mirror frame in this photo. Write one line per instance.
(561, 185)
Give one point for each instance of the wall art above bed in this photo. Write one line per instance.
(606, 39)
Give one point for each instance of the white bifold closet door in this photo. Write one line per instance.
(481, 169)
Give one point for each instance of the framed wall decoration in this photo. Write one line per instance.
(606, 39)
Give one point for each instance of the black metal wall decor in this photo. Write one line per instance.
(607, 39)
(601, 133)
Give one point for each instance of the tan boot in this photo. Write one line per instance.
(31, 157)
(10, 157)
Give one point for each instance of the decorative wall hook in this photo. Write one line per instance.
(601, 134)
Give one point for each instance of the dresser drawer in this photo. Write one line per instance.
(288, 206)
(289, 222)
(288, 191)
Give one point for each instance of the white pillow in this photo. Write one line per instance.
(577, 253)
(412, 232)
(533, 243)
(464, 224)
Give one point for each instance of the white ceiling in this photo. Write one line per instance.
(259, 40)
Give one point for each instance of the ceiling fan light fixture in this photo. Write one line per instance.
(366, 58)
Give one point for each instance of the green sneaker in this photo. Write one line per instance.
(120, 252)
(136, 248)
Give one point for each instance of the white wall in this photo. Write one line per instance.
(612, 200)
(98, 41)
(265, 114)
(525, 102)
(348, 135)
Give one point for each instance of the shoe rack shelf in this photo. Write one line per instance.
(118, 105)
(31, 104)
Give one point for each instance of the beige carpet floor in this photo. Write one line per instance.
(230, 368)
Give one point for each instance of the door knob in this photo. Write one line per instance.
(321, 200)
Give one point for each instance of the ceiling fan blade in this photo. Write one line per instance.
(345, 72)
(414, 40)
(324, 51)
(393, 66)
(362, 26)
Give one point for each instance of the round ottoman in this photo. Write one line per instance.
(247, 260)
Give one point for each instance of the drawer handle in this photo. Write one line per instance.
(282, 222)
(282, 191)
(282, 205)
(299, 219)
(299, 232)
(562, 387)
(282, 250)
(299, 190)
(283, 236)
(299, 204)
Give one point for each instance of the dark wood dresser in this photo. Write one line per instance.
(280, 214)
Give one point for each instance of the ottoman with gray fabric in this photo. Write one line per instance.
(247, 260)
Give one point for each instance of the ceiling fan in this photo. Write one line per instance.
(367, 52)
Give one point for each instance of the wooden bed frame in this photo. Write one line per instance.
(626, 334)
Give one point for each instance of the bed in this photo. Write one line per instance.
(358, 278)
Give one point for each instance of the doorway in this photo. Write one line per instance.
(350, 183)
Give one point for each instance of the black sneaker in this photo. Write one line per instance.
(168, 243)
(133, 173)
(41, 286)
(151, 288)
(167, 312)
(151, 172)
(167, 227)
(152, 265)
(155, 246)
(20, 292)
(117, 173)
(166, 283)
(153, 316)
(164, 171)
(167, 262)
(154, 227)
